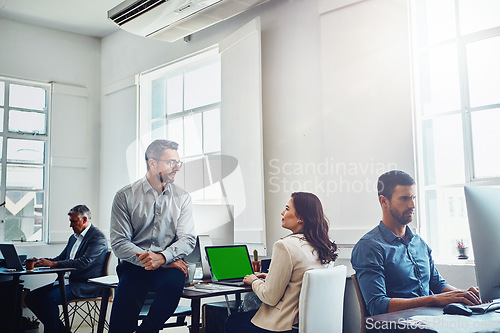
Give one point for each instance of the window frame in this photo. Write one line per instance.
(6, 135)
(419, 117)
(179, 66)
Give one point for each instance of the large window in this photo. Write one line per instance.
(182, 102)
(456, 47)
(23, 152)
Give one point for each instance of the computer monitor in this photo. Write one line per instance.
(198, 256)
(483, 209)
(214, 224)
(215, 220)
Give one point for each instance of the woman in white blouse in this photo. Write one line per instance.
(308, 247)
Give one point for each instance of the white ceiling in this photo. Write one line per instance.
(86, 17)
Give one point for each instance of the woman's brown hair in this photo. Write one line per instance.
(308, 208)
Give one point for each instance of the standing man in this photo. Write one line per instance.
(152, 230)
(394, 266)
(86, 251)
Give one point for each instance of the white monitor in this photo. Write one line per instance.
(199, 257)
(214, 225)
(483, 209)
(215, 220)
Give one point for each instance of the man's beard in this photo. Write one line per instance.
(401, 218)
(164, 179)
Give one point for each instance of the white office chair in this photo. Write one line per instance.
(321, 302)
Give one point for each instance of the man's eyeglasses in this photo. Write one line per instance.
(173, 163)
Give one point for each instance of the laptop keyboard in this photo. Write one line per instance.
(213, 287)
(236, 283)
(486, 307)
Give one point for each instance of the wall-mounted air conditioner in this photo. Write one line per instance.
(170, 20)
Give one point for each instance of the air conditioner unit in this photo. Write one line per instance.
(170, 20)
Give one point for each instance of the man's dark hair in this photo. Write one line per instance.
(388, 181)
(81, 210)
(156, 148)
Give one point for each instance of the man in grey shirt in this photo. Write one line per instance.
(152, 230)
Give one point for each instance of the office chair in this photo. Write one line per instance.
(321, 301)
(362, 305)
(87, 309)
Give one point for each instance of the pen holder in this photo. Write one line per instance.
(462, 253)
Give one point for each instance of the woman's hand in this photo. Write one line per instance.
(261, 275)
(249, 279)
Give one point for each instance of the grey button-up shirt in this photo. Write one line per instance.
(142, 220)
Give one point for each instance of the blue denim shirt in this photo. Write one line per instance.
(388, 266)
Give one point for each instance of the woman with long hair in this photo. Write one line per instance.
(307, 247)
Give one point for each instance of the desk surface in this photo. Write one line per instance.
(434, 320)
(111, 281)
(47, 270)
(191, 294)
(16, 276)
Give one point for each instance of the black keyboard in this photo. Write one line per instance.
(234, 283)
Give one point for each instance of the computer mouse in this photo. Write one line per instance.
(458, 309)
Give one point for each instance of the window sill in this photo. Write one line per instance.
(29, 244)
(454, 262)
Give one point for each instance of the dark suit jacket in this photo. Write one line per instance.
(90, 261)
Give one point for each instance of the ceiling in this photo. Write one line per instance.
(86, 17)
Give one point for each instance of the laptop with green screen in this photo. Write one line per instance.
(229, 264)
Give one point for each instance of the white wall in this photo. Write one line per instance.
(70, 60)
(367, 106)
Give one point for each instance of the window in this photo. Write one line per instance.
(182, 102)
(456, 47)
(24, 111)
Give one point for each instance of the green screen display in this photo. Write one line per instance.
(229, 262)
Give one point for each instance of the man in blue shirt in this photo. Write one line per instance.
(394, 266)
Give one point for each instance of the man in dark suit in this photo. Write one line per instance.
(86, 251)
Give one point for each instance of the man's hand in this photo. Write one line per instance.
(448, 295)
(150, 260)
(474, 290)
(469, 297)
(179, 264)
(45, 263)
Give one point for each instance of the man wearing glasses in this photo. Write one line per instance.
(152, 230)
